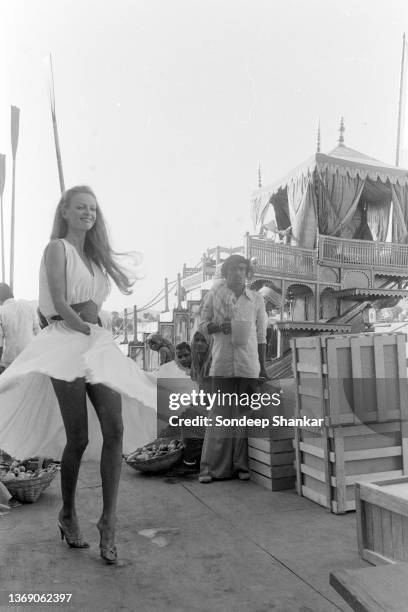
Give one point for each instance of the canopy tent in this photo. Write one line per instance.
(344, 193)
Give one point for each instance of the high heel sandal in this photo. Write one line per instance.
(108, 552)
(73, 541)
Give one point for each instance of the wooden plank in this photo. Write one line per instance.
(316, 497)
(373, 453)
(349, 507)
(340, 471)
(266, 483)
(358, 430)
(337, 402)
(306, 368)
(397, 546)
(380, 377)
(259, 468)
(259, 455)
(283, 471)
(373, 494)
(371, 476)
(261, 444)
(375, 558)
(283, 484)
(316, 451)
(298, 462)
(386, 528)
(360, 519)
(281, 446)
(377, 530)
(313, 473)
(282, 458)
(404, 443)
(379, 589)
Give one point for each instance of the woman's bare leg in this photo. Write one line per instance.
(72, 401)
(108, 407)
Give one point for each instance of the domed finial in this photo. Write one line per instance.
(259, 175)
(318, 138)
(342, 129)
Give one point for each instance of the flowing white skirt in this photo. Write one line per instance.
(30, 418)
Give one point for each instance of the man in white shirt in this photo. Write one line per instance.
(237, 318)
(18, 325)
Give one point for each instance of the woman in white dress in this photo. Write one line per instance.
(81, 358)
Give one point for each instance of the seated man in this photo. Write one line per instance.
(183, 356)
(18, 325)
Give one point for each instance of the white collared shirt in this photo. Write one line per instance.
(228, 360)
(18, 326)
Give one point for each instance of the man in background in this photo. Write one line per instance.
(18, 326)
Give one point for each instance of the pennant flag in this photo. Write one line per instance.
(2, 173)
(15, 125)
(2, 181)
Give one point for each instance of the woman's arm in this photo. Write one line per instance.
(55, 258)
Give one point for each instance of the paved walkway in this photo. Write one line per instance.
(184, 547)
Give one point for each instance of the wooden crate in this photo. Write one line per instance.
(271, 459)
(382, 520)
(351, 379)
(329, 461)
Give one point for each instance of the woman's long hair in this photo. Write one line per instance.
(200, 362)
(97, 246)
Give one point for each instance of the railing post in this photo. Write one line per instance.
(184, 270)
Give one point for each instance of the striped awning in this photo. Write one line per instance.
(358, 293)
(295, 326)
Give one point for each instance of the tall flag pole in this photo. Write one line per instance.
(401, 103)
(2, 181)
(15, 124)
(54, 125)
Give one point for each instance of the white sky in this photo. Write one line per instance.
(165, 107)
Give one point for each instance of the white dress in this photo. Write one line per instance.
(30, 419)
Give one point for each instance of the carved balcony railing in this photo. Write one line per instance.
(275, 258)
(381, 256)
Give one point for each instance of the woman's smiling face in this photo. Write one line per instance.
(80, 213)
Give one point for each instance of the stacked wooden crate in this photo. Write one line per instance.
(358, 385)
(271, 459)
(272, 456)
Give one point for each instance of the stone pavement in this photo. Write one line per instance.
(183, 546)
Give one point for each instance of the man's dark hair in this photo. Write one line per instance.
(183, 345)
(235, 260)
(5, 292)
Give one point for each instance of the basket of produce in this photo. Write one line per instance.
(26, 480)
(158, 456)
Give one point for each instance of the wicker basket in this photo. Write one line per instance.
(29, 490)
(157, 464)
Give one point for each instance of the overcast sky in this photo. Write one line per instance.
(165, 107)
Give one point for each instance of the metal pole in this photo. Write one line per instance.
(2, 181)
(178, 290)
(401, 103)
(15, 125)
(166, 295)
(135, 323)
(125, 320)
(13, 224)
